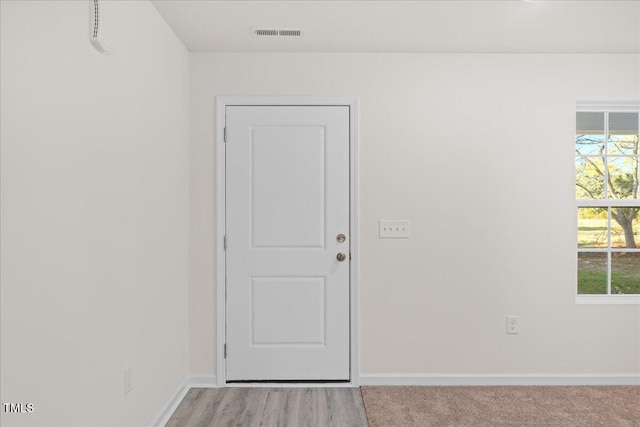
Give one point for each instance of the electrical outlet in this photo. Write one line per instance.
(128, 379)
(513, 324)
(397, 229)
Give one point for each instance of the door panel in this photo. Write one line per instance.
(287, 198)
(297, 219)
(302, 323)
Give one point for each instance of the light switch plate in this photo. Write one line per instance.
(393, 229)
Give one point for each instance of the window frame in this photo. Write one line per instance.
(609, 203)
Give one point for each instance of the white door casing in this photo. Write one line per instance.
(287, 196)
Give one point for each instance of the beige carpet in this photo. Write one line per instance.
(503, 406)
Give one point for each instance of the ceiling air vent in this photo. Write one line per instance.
(297, 33)
(277, 32)
(95, 30)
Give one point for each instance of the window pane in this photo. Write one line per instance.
(589, 133)
(624, 177)
(623, 144)
(592, 273)
(589, 178)
(592, 228)
(625, 227)
(625, 273)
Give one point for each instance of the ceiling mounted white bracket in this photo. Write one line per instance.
(95, 28)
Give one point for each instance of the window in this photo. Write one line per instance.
(607, 162)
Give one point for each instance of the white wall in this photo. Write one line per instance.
(94, 213)
(475, 150)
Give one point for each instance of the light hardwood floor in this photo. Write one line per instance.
(270, 407)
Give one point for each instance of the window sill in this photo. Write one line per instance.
(608, 299)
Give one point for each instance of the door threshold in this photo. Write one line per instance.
(287, 381)
(290, 383)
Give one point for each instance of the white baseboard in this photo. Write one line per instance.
(497, 379)
(202, 381)
(196, 381)
(161, 419)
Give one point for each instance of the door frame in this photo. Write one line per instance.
(354, 315)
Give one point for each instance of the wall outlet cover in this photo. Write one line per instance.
(513, 324)
(128, 379)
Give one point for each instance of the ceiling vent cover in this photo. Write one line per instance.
(276, 32)
(95, 30)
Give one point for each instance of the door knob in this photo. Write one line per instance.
(341, 257)
(341, 238)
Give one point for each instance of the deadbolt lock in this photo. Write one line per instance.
(341, 257)
(341, 238)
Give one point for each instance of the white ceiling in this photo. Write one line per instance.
(503, 26)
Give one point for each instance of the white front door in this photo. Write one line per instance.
(287, 200)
